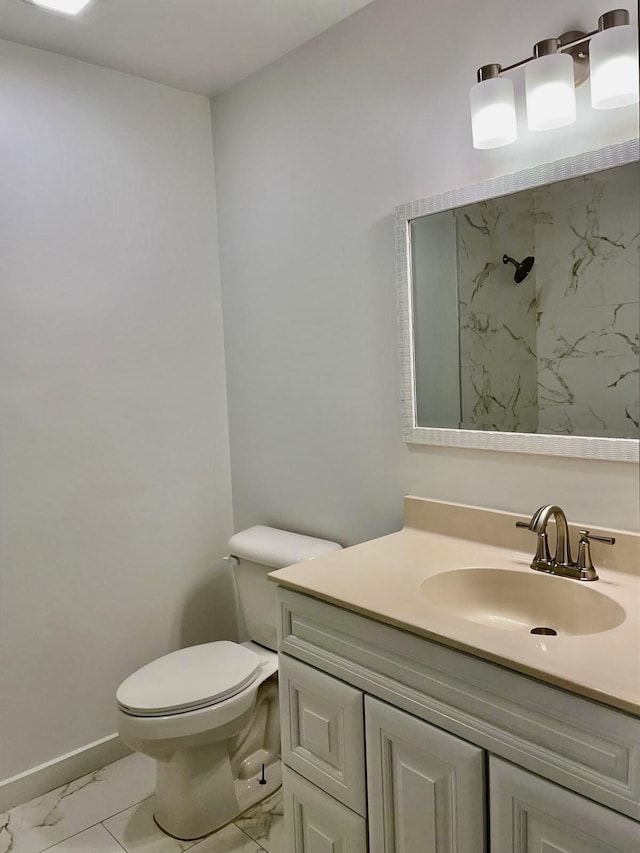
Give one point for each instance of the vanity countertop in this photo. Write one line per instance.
(382, 579)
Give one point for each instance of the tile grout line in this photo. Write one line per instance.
(257, 806)
(73, 835)
(111, 833)
(252, 839)
(101, 822)
(126, 808)
(179, 840)
(92, 826)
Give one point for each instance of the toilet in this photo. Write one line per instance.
(208, 714)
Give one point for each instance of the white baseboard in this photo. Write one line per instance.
(39, 780)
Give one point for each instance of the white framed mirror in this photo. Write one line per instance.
(519, 308)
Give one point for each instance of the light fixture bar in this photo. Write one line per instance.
(563, 47)
(614, 18)
(555, 68)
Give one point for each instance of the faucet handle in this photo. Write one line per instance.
(584, 563)
(608, 540)
(523, 524)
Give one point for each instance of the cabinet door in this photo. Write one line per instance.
(316, 823)
(530, 815)
(322, 728)
(426, 787)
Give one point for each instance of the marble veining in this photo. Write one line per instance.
(69, 809)
(497, 320)
(137, 832)
(557, 353)
(111, 810)
(265, 824)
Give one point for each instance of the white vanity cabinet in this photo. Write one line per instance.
(388, 740)
(423, 789)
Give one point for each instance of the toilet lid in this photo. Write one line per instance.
(189, 679)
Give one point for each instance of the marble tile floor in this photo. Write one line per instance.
(111, 811)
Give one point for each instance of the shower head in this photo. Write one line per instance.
(522, 269)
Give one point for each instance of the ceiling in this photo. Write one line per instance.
(202, 46)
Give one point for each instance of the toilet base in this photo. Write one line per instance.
(211, 799)
(204, 786)
(195, 791)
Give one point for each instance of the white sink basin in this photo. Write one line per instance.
(517, 601)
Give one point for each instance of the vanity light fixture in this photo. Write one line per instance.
(556, 67)
(550, 88)
(614, 62)
(66, 7)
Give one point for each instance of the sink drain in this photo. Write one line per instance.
(546, 632)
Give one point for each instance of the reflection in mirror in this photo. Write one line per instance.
(526, 310)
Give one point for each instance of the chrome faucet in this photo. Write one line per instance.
(562, 563)
(538, 524)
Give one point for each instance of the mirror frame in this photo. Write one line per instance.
(585, 447)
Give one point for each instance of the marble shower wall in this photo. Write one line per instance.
(587, 274)
(498, 365)
(558, 353)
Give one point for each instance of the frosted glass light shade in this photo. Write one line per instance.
(551, 92)
(613, 55)
(493, 113)
(67, 7)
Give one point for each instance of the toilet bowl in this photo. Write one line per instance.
(208, 714)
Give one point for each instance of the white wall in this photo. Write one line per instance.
(312, 154)
(114, 465)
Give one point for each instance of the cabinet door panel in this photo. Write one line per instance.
(531, 815)
(323, 731)
(316, 823)
(426, 787)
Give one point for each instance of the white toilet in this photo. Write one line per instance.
(208, 714)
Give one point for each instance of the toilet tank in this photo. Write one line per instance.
(258, 551)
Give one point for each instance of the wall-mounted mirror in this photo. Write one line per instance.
(519, 310)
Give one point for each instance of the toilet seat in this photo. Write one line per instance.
(201, 721)
(189, 679)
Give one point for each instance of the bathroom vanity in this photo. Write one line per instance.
(413, 722)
